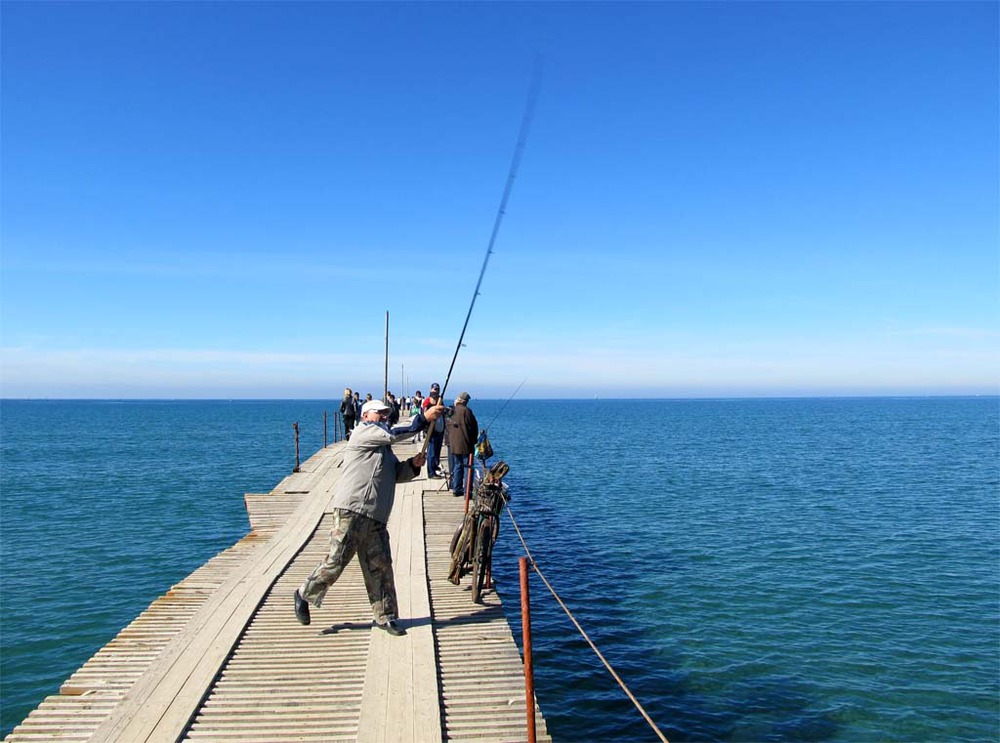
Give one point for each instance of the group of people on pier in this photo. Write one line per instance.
(366, 490)
(351, 404)
(459, 429)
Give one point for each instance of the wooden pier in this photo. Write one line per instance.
(221, 657)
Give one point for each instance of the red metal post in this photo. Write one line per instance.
(468, 483)
(529, 670)
(296, 427)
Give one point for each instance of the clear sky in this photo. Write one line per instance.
(224, 199)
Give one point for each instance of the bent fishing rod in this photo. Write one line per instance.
(515, 165)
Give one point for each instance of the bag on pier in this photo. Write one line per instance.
(483, 448)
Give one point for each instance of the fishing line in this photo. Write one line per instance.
(485, 430)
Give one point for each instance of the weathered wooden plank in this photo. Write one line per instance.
(161, 702)
(401, 700)
(480, 669)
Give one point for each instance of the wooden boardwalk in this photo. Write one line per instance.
(221, 657)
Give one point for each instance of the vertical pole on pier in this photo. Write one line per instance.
(296, 427)
(385, 389)
(324, 429)
(529, 670)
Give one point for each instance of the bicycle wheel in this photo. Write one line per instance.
(481, 561)
(460, 551)
(455, 538)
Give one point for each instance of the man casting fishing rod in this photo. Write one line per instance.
(367, 487)
(361, 504)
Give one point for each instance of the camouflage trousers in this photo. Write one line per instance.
(353, 534)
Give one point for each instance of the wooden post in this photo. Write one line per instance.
(296, 427)
(529, 671)
(324, 429)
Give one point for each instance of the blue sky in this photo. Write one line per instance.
(224, 199)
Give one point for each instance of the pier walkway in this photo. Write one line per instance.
(221, 657)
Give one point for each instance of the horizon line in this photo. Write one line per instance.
(548, 398)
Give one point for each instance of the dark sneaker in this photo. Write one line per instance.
(301, 608)
(392, 628)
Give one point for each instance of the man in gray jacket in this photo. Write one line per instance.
(361, 504)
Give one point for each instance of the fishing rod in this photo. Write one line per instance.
(485, 430)
(511, 175)
(515, 164)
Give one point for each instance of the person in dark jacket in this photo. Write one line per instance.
(348, 412)
(463, 432)
(393, 402)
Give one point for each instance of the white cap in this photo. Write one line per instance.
(373, 405)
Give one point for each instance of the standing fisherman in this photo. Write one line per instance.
(348, 412)
(361, 504)
(463, 432)
(435, 435)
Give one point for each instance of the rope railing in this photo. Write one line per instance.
(582, 632)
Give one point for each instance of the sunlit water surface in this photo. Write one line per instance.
(755, 570)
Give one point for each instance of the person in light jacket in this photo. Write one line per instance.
(362, 501)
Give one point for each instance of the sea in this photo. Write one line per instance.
(753, 569)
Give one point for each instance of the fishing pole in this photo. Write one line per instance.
(515, 164)
(511, 175)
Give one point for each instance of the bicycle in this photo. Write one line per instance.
(472, 544)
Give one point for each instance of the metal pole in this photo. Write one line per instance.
(468, 483)
(529, 671)
(385, 390)
(468, 486)
(324, 429)
(296, 427)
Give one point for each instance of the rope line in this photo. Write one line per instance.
(586, 637)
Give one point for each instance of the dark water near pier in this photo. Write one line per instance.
(779, 570)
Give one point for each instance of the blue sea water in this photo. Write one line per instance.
(755, 570)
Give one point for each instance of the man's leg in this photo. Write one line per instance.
(439, 447)
(375, 558)
(342, 549)
(456, 463)
(432, 456)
